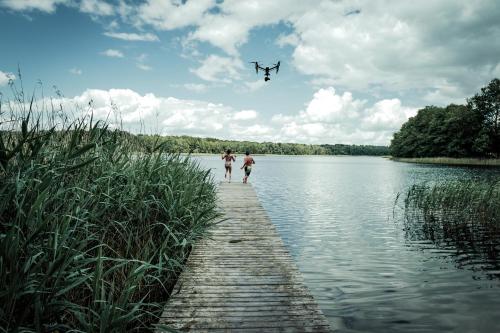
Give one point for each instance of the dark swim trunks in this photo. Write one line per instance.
(248, 169)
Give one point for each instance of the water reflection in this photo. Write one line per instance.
(335, 214)
(460, 219)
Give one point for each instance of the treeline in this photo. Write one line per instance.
(187, 144)
(470, 130)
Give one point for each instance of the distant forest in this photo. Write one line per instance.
(187, 144)
(471, 130)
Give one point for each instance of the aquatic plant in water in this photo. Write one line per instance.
(463, 214)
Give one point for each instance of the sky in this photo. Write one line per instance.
(351, 71)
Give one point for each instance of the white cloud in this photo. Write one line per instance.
(48, 6)
(229, 27)
(93, 7)
(164, 115)
(327, 106)
(196, 87)
(380, 47)
(113, 25)
(245, 115)
(142, 57)
(254, 85)
(144, 67)
(145, 37)
(168, 15)
(322, 81)
(5, 78)
(445, 94)
(173, 115)
(254, 132)
(376, 46)
(113, 53)
(386, 115)
(76, 71)
(290, 39)
(96, 7)
(394, 45)
(333, 118)
(495, 72)
(141, 62)
(328, 117)
(131, 107)
(219, 69)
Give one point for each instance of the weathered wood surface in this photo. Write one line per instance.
(241, 278)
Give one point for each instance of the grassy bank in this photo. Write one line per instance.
(92, 235)
(450, 161)
(464, 214)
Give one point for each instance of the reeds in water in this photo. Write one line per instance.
(463, 214)
(92, 234)
(486, 162)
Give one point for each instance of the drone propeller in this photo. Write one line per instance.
(266, 69)
(256, 66)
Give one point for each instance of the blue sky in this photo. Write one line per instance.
(352, 71)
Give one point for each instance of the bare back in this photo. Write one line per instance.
(229, 158)
(248, 160)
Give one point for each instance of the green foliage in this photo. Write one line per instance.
(463, 202)
(186, 144)
(487, 105)
(453, 131)
(464, 214)
(92, 234)
(450, 161)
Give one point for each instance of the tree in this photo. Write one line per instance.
(463, 130)
(453, 131)
(486, 105)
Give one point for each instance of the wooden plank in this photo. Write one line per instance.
(241, 322)
(281, 329)
(241, 278)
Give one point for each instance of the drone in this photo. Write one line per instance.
(267, 70)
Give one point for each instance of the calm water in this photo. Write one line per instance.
(335, 214)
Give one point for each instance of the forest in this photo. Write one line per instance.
(187, 144)
(470, 130)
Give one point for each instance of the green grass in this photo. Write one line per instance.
(450, 161)
(92, 234)
(463, 214)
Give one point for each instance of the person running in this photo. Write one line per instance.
(229, 158)
(248, 161)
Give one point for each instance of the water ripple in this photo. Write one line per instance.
(335, 214)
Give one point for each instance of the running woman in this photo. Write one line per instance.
(229, 158)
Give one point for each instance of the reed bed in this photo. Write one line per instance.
(487, 162)
(463, 214)
(92, 234)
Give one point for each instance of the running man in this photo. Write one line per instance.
(229, 158)
(248, 161)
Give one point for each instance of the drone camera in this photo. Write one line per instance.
(267, 70)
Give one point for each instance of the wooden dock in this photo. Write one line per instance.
(242, 278)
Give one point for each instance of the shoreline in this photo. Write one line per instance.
(493, 162)
(305, 155)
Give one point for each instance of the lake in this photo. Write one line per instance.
(337, 216)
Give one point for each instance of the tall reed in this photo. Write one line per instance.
(92, 234)
(464, 214)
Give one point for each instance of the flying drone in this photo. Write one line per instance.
(267, 70)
